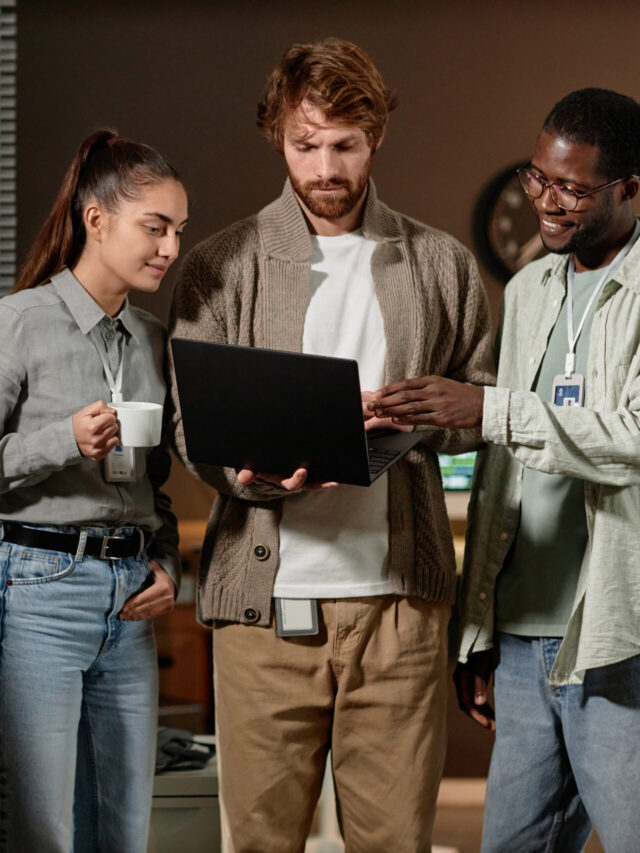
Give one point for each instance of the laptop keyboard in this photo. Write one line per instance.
(379, 458)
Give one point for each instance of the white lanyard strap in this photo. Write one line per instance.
(570, 360)
(115, 385)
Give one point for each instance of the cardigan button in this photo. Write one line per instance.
(251, 615)
(262, 552)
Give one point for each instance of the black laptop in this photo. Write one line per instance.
(275, 411)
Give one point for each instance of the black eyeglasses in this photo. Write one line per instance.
(534, 186)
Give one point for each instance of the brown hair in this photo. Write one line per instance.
(106, 167)
(334, 75)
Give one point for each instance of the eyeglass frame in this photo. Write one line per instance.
(549, 185)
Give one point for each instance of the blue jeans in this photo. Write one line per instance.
(78, 704)
(565, 757)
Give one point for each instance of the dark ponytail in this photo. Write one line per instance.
(106, 167)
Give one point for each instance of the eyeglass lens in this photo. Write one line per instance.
(534, 187)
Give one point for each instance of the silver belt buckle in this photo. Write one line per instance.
(104, 555)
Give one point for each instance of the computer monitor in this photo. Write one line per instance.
(457, 471)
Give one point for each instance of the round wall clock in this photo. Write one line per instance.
(505, 229)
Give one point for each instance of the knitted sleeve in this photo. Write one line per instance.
(205, 307)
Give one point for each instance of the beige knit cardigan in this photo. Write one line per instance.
(249, 285)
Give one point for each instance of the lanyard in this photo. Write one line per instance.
(115, 385)
(570, 359)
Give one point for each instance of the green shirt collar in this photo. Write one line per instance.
(627, 274)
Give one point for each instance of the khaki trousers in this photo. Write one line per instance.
(372, 687)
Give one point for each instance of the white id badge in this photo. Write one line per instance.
(120, 465)
(296, 617)
(568, 392)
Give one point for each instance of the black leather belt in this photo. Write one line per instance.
(103, 547)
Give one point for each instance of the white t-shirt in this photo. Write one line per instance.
(334, 543)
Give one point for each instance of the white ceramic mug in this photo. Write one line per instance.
(140, 424)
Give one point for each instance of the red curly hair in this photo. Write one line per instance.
(335, 76)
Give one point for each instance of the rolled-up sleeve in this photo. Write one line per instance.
(600, 447)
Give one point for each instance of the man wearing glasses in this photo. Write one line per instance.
(551, 593)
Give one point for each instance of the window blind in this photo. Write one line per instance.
(8, 73)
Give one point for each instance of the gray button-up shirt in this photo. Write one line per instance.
(50, 368)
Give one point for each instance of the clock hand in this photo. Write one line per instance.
(529, 250)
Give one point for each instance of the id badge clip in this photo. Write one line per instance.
(296, 617)
(568, 391)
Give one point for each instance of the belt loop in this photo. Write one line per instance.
(140, 553)
(1, 530)
(82, 541)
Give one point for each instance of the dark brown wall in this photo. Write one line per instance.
(475, 81)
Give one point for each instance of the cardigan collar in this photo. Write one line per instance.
(284, 231)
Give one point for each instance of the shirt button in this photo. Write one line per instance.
(554, 304)
(251, 615)
(109, 335)
(532, 360)
(482, 596)
(261, 552)
(503, 536)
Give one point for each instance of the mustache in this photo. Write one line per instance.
(326, 185)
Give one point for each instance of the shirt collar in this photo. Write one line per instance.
(83, 307)
(627, 274)
(130, 321)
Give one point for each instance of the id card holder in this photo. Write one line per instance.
(296, 617)
(120, 465)
(568, 392)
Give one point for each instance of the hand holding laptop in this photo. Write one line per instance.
(263, 412)
(298, 480)
(294, 483)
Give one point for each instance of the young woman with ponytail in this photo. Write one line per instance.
(86, 559)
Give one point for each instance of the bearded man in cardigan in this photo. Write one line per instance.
(329, 269)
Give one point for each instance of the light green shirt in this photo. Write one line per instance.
(598, 443)
(537, 584)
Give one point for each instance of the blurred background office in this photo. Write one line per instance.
(475, 79)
